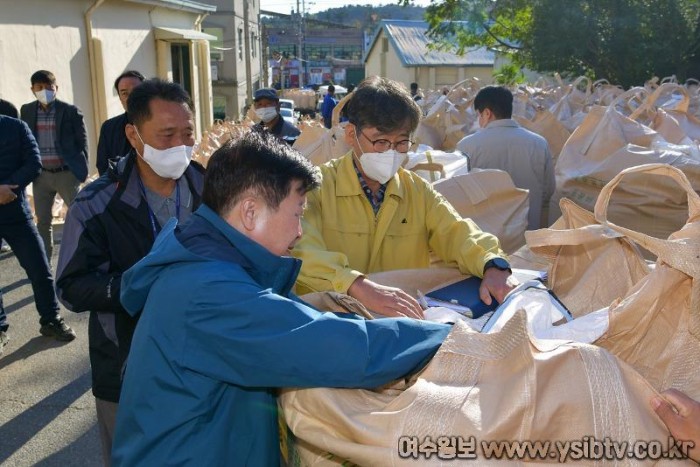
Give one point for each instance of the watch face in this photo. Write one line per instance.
(500, 263)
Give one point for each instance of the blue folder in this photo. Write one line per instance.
(465, 293)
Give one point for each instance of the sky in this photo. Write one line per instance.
(314, 6)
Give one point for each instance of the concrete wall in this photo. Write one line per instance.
(45, 34)
(51, 34)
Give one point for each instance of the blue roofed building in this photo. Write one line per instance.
(399, 50)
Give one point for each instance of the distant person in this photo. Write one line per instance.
(267, 109)
(113, 223)
(329, 103)
(503, 144)
(59, 130)
(19, 166)
(372, 215)
(8, 109)
(415, 92)
(220, 329)
(113, 143)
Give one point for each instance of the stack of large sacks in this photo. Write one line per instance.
(303, 98)
(320, 144)
(514, 385)
(448, 116)
(217, 136)
(638, 127)
(594, 130)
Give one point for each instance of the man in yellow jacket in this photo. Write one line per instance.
(371, 215)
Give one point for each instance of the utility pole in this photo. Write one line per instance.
(300, 55)
(264, 53)
(246, 41)
(305, 64)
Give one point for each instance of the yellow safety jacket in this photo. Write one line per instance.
(343, 239)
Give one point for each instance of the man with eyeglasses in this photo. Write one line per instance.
(371, 215)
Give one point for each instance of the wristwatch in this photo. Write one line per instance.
(498, 263)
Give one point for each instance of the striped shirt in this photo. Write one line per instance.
(374, 200)
(46, 138)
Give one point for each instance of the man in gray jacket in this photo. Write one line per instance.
(503, 144)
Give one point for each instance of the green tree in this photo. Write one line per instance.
(508, 75)
(624, 41)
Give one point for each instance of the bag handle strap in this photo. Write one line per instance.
(547, 242)
(430, 167)
(335, 117)
(578, 81)
(636, 92)
(669, 79)
(679, 253)
(692, 82)
(457, 85)
(665, 88)
(624, 97)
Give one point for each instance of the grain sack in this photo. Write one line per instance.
(490, 199)
(656, 327)
(503, 386)
(590, 265)
(319, 144)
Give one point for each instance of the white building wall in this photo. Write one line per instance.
(51, 35)
(124, 47)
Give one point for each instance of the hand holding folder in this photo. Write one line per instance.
(461, 296)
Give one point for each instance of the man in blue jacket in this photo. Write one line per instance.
(113, 223)
(220, 331)
(19, 166)
(329, 103)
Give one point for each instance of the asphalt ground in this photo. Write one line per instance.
(47, 411)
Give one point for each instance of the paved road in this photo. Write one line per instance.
(47, 412)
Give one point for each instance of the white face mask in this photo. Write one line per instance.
(266, 114)
(167, 163)
(45, 96)
(382, 166)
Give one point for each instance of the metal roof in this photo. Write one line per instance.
(410, 41)
(186, 5)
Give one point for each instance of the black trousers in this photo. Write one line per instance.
(23, 238)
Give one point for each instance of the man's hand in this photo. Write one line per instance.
(681, 414)
(495, 282)
(388, 301)
(6, 193)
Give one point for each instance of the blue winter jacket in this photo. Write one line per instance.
(219, 331)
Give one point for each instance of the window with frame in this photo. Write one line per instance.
(287, 51)
(318, 52)
(348, 52)
(240, 44)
